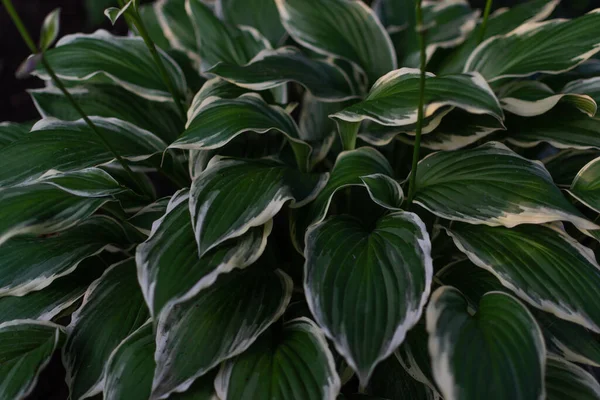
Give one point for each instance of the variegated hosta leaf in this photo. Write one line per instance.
(218, 121)
(413, 355)
(103, 58)
(68, 146)
(502, 337)
(551, 47)
(12, 131)
(216, 325)
(531, 98)
(231, 196)
(542, 265)
(143, 219)
(565, 380)
(388, 268)
(457, 130)
(149, 16)
(110, 101)
(49, 302)
(219, 42)
(26, 348)
(129, 370)
(266, 21)
(272, 68)
(348, 170)
(392, 381)
(314, 121)
(169, 268)
(394, 98)
(562, 128)
(586, 185)
(464, 186)
(500, 22)
(293, 362)
(177, 27)
(590, 87)
(564, 166)
(113, 308)
(53, 204)
(31, 263)
(448, 24)
(341, 28)
(203, 388)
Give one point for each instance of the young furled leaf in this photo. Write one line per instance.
(50, 29)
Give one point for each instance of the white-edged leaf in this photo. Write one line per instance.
(50, 30)
(129, 370)
(565, 380)
(293, 362)
(31, 263)
(542, 265)
(27, 346)
(143, 219)
(586, 185)
(177, 27)
(464, 186)
(114, 13)
(12, 131)
(169, 268)
(110, 101)
(113, 307)
(72, 145)
(389, 265)
(532, 98)
(272, 68)
(551, 47)
(566, 164)
(589, 86)
(101, 57)
(341, 28)
(231, 196)
(219, 42)
(216, 325)
(502, 336)
(266, 21)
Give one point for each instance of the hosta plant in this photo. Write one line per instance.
(306, 199)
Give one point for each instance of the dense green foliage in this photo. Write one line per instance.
(223, 216)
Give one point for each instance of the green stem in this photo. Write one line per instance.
(31, 44)
(486, 16)
(419, 128)
(133, 18)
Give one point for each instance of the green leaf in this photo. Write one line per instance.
(564, 166)
(31, 263)
(394, 98)
(12, 131)
(586, 185)
(144, 218)
(562, 128)
(110, 101)
(552, 47)
(27, 346)
(349, 167)
(502, 336)
(149, 17)
(129, 370)
(272, 68)
(103, 58)
(590, 87)
(464, 186)
(46, 304)
(114, 13)
(369, 270)
(203, 388)
(169, 268)
(177, 26)
(220, 42)
(341, 28)
(69, 146)
(215, 326)
(531, 98)
(232, 196)
(95, 8)
(542, 265)
(293, 362)
(500, 22)
(50, 29)
(266, 21)
(314, 121)
(219, 121)
(113, 308)
(565, 380)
